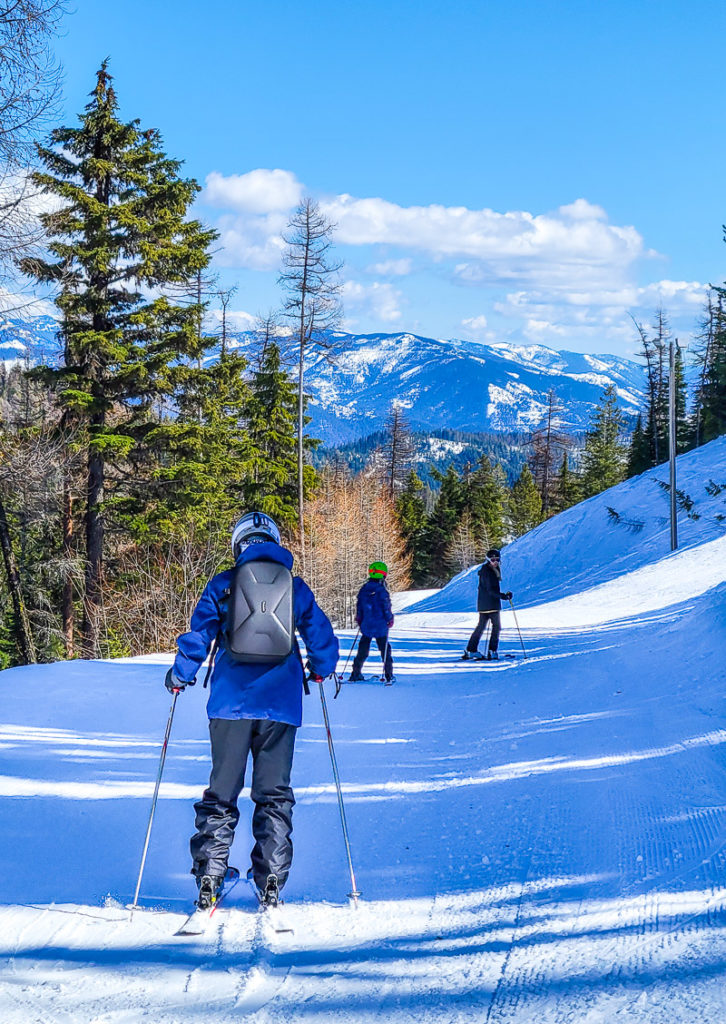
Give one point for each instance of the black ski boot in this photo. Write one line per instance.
(271, 895)
(493, 656)
(209, 888)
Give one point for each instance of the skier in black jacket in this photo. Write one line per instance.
(488, 604)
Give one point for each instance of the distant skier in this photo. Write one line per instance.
(250, 613)
(488, 603)
(374, 615)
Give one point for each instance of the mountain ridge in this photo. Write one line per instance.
(454, 384)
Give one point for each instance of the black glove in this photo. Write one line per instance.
(508, 596)
(172, 682)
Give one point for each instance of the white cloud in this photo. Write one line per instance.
(569, 274)
(380, 300)
(257, 192)
(576, 236)
(391, 268)
(253, 242)
(237, 319)
(475, 326)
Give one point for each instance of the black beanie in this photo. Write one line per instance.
(493, 551)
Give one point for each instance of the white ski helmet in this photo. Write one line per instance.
(253, 528)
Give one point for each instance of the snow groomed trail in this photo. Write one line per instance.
(536, 840)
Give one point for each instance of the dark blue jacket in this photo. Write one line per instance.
(373, 610)
(489, 596)
(256, 691)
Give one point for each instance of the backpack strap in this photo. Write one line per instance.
(215, 646)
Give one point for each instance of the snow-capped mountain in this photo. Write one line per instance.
(459, 385)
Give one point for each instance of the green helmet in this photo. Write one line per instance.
(378, 570)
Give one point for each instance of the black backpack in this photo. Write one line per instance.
(260, 620)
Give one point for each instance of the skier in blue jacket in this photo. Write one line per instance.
(252, 708)
(374, 615)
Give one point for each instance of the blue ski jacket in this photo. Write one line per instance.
(374, 614)
(240, 690)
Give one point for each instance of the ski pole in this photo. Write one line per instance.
(518, 629)
(162, 759)
(384, 655)
(345, 667)
(354, 892)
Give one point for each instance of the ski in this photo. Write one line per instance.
(485, 661)
(198, 921)
(272, 914)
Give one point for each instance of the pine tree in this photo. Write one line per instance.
(639, 456)
(604, 458)
(203, 454)
(442, 523)
(525, 504)
(271, 418)
(711, 394)
(120, 236)
(683, 426)
(569, 488)
(484, 499)
(412, 520)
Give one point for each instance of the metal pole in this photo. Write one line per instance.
(162, 759)
(354, 892)
(518, 629)
(672, 441)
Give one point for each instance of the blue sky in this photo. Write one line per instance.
(505, 171)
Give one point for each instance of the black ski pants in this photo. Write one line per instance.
(484, 617)
(364, 648)
(271, 745)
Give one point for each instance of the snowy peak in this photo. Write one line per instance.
(442, 384)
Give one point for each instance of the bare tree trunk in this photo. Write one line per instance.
(23, 635)
(67, 608)
(94, 557)
(300, 485)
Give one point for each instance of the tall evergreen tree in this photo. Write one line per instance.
(604, 458)
(271, 419)
(118, 239)
(525, 504)
(639, 455)
(484, 500)
(203, 455)
(412, 519)
(711, 393)
(683, 425)
(442, 523)
(569, 488)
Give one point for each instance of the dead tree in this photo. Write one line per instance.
(310, 279)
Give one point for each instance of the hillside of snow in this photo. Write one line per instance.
(536, 840)
(622, 530)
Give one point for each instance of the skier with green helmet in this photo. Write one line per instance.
(374, 616)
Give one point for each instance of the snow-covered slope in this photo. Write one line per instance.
(459, 385)
(536, 840)
(589, 544)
